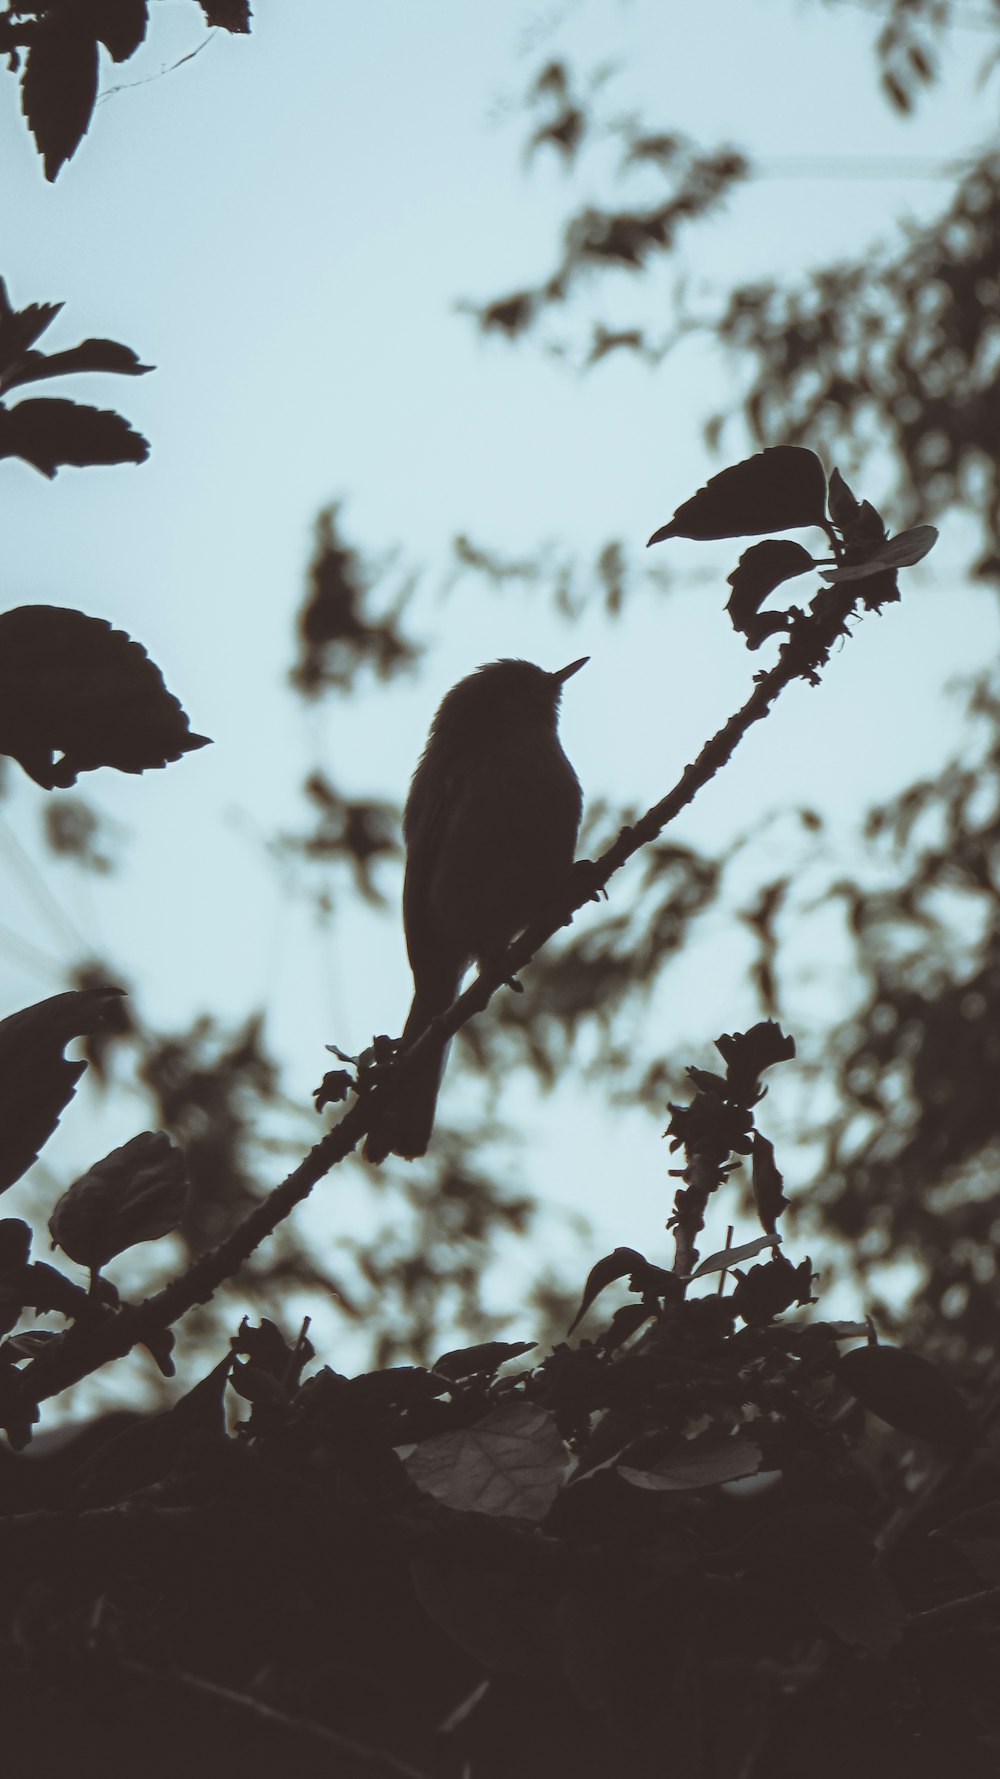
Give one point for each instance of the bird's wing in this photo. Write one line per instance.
(429, 810)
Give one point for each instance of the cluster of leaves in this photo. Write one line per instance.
(75, 694)
(510, 1567)
(136, 1193)
(784, 489)
(55, 46)
(897, 344)
(48, 432)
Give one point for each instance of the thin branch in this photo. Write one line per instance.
(83, 1349)
(378, 1760)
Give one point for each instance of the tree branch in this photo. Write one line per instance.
(85, 1348)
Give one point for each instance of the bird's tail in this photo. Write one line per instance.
(403, 1125)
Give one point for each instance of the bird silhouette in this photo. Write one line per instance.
(490, 827)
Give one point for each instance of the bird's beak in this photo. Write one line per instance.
(566, 673)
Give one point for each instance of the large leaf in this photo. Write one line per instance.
(777, 490)
(698, 1464)
(36, 1080)
(48, 433)
(120, 25)
(59, 85)
(510, 1463)
(910, 1393)
(227, 15)
(71, 685)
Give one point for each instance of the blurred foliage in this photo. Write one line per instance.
(909, 1172)
(337, 637)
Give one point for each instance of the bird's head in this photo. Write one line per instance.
(502, 695)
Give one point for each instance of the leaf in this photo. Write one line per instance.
(15, 1243)
(36, 1080)
(107, 356)
(901, 551)
(768, 1290)
(844, 507)
(20, 328)
(484, 1359)
(227, 15)
(511, 1463)
(909, 1393)
(776, 490)
(59, 86)
(70, 684)
(120, 25)
(762, 568)
(135, 1194)
(769, 1200)
(727, 1257)
(603, 1273)
(49, 433)
(698, 1464)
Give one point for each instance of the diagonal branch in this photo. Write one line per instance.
(86, 1347)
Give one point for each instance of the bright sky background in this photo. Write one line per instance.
(283, 226)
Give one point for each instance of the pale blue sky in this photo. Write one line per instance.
(283, 226)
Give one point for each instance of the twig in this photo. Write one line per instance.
(379, 1760)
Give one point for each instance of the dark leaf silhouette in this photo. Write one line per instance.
(59, 85)
(776, 490)
(227, 15)
(36, 1079)
(769, 1200)
(762, 568)
(910, 1393)
(120, 25)
(15, 1243)
(844, 505)
(49, 433)
(484, 1359)
(91, 355)
(70, 685)
(135, 1194)
(766, 1291)
(20, 328)
(603, 1273)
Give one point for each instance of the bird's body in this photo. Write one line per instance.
(490, 827)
